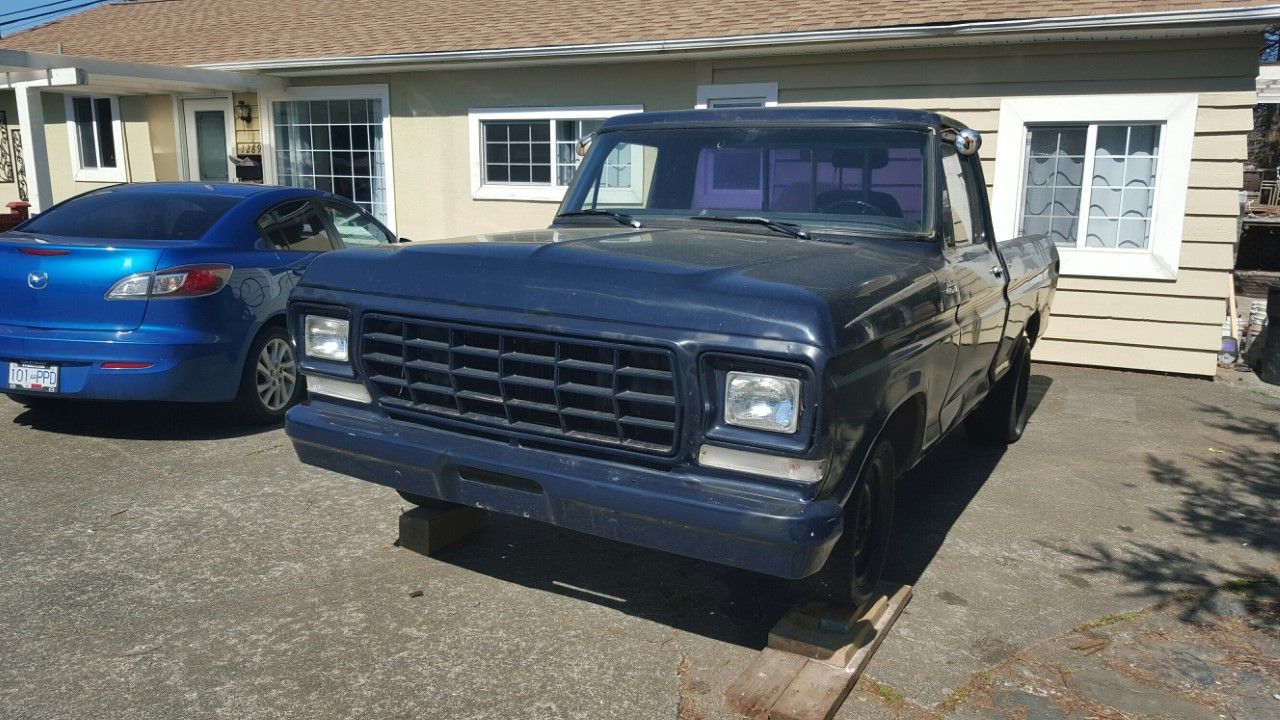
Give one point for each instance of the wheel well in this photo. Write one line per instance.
(275, 321)
(905, 431)
(1033, 328)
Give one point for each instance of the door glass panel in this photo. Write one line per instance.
(295, 226)
(354, 227)
(211, 145)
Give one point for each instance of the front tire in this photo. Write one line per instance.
(853, 570)
(270, 384)
(1003, 414)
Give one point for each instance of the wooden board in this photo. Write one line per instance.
(815, 656)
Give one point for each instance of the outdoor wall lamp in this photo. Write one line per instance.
(244, 112)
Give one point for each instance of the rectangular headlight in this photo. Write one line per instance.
(762, 402)
(326, 338)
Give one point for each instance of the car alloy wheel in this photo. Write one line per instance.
(276, 375)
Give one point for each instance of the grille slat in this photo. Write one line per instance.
(582, 390)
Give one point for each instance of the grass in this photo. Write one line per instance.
(1248, 586)
(890, 695)
(1108, 620)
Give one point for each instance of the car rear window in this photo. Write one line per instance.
(133, 216)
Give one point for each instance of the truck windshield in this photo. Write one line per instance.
(850, 179)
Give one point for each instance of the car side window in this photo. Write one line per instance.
(355, 227)
(295, 226)
(959, 206)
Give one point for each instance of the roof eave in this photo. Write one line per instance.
(1153, 24)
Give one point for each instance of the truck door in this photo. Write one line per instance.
(973, 281)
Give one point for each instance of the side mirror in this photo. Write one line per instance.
(968, 141)
(405, 240)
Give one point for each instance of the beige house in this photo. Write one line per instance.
(1119, 128)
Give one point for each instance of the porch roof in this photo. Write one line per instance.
(20, 68)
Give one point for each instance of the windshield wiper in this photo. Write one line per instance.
(620, 217)
(782, 227)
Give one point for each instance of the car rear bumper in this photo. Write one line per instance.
(677, 510)
(183, 365)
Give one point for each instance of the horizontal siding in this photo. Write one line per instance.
(1217, 174)
(1169, 360)
(1220, 146)
(1190, 283)
(1224, 119)
(1169, 326)
(1217, 229)
(1128, 306)
(1146, 333)
(1207, 256)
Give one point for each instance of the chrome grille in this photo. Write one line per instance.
(595, 392)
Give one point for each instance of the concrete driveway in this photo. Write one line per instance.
(160, 562)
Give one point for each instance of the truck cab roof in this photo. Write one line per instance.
(785, 116)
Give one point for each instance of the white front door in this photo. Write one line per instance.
(210, 139)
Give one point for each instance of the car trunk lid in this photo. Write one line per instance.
(62, 283)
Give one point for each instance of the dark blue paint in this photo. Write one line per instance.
(868, 318)
(197, 346)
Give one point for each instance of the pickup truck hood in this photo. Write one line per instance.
(708, 281)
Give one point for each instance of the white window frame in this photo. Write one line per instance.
(119, 173)
(766, 93)
(329, 92)
(1177, 115)
(534, 192)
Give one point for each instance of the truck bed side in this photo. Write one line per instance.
(1031, 266)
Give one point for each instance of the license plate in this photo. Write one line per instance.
(29, 376)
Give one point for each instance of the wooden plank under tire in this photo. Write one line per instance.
(815, 656)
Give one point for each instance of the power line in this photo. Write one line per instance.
(34, 7)
(51, 12)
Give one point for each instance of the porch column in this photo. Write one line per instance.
(35, 152)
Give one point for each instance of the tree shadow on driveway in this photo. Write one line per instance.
(712, 600)
(1229, 499)
(137, 420)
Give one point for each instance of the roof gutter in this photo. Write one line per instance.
(915, 33)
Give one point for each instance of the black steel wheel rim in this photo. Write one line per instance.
(866, 522)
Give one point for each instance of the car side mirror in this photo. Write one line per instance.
(405, 240)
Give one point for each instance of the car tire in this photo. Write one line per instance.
(270, 383)
(853, 569)
(1002, 415)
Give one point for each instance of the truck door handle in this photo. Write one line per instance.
(997, 271)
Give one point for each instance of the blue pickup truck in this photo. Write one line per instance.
(741, 327)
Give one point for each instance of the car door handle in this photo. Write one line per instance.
(997, 271)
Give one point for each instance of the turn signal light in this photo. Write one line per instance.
(176, 282)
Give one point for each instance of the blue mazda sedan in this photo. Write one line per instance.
(166, 291)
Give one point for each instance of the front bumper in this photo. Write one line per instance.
(185, 365)
(680, 510)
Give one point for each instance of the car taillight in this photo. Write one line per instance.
(177, 282)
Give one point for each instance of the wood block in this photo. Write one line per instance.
(828, 633)
(759, 686)
(816, 693)
(428, 529)
(815, 656)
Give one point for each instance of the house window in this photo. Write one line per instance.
(335, 139)
(738, 95)
(1104, 177)
(532, 154)
(97, 139)
(1113, 208)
